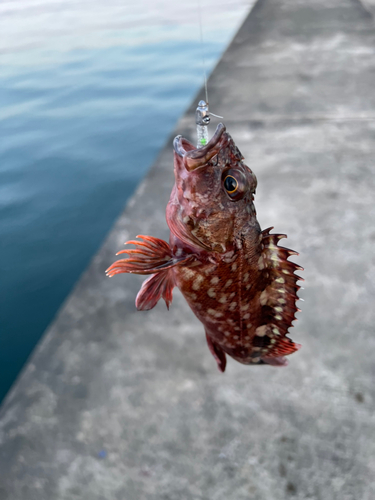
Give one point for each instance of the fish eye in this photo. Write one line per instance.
(230, 184)
(234, 183)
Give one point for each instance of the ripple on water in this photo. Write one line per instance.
(88, 96)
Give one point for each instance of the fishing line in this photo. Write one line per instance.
(202, 49)
(202, 113)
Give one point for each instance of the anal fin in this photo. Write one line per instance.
(217, 353)
(277, 361)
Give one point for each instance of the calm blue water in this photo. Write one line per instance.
(88, 95)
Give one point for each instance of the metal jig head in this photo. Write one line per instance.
(202, 119)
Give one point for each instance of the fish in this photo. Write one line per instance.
(235, 277)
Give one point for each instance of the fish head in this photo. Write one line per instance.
(212, 199)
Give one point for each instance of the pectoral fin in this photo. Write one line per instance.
(151, 256)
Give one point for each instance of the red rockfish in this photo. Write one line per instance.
(235, 278)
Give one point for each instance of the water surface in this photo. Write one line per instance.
(89, 91)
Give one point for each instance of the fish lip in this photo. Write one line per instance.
(197, 157)
(182, 146)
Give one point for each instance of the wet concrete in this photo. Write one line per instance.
(118, 404)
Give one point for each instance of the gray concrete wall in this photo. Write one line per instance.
(122, 405)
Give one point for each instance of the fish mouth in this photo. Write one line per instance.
(197, 157)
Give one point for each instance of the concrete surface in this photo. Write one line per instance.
(122, 405)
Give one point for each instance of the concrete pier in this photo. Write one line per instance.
(117, 404)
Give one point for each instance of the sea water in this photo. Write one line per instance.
(89, 92)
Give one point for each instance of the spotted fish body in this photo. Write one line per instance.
(236, 278)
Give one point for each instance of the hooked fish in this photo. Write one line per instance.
(235, 277)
